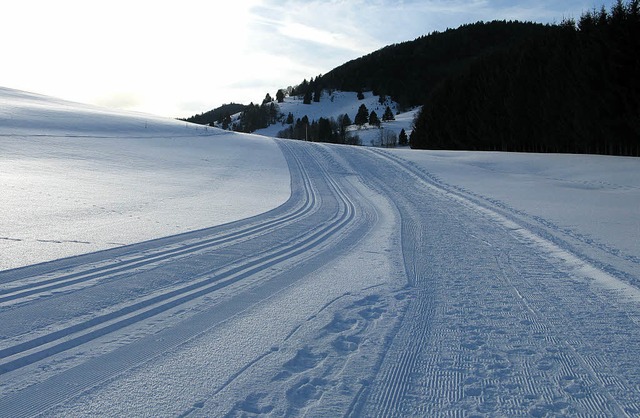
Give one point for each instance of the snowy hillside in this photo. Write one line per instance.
(335, 103)
(288, 278)
(78, 178)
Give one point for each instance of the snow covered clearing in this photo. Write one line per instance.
(384, 283)
(331, 105)
(335, 103)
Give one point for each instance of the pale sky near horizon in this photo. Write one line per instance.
(179, 58)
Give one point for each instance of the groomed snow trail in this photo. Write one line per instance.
(502, 322)
(375, 290)
(75, 324)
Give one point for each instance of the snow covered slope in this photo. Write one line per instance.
(78, 178)
(388, 283)
(335, 103)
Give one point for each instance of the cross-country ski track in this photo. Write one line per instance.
(377, 289)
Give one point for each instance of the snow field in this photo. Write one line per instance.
(593, 198)
(489, 332)
(109, 181)
(379, 283)
(343, 313)
(204, 318)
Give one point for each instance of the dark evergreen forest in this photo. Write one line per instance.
(574, 89)
(408, 71)
(220, 115)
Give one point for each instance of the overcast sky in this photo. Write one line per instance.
(179, 58)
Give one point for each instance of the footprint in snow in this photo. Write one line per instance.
(304, 360)
(305, 391)
(348, 344)
(340, 324)
(371, 313)
(253, 404)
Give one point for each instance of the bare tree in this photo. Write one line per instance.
(387, 138)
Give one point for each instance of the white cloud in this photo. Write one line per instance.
(311, 34)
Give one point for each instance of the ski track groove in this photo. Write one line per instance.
(309, 391)
(296, 373)
(344, 215)
(536, 224)
(395, 375)
(341, 219)
(97, 273)
(574, 378)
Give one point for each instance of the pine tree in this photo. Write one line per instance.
(302, 88)
(362, 116)
(373, 119)
(402, 138)
(343, 122)
(280, 96)
(325, 132)
(307, 97)
(388, 114)
(226, 121)
(274, 112)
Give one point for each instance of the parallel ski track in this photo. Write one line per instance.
(12, 295)
(392, 397)
(563, 237)
(396, 369)
(29, 352)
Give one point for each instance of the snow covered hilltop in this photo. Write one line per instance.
(152, 268)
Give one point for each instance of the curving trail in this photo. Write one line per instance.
(375, 290)
(52, 308)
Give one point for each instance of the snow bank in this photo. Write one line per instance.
(77, 178)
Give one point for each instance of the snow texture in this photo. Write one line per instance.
(77, 178)
(341, 281)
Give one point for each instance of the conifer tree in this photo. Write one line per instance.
(307, 97)
(343, 122)
(362, 116)
(373, 119)
(325, 132)
(226, 121)
(388, 114)
(402, 138)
